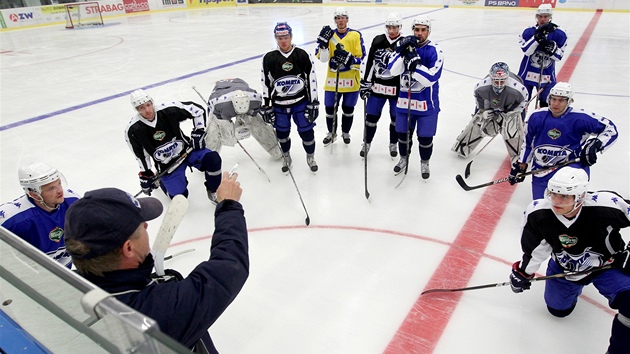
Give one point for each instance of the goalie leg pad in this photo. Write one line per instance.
(213, 138)
(265, 136)
(468, 139)
(513, 133)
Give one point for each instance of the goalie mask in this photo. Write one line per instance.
(568, 181)
(499, 73)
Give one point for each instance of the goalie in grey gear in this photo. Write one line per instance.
(500, 99)
(233, 109)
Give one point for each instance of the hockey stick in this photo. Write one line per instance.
(466, 187)
(496, 285)
(178, 254)
(173, 167)
(365, 164)
(173, 217)
(284, 158)
(408, 132)
(335, 108)
(238, 142)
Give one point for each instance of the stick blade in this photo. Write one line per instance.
(173, 217)
(462, 183)
(467, 171)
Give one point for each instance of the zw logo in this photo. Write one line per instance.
(554, 133)
(21, 16)
(159, 135)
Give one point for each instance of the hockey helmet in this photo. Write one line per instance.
(499, 73)
(569, 181)
(545, 9)
(282, 29)
(561, 89)
(35, 175)
(393, 19)
(341, 11)
(421, 20)
(139, 97)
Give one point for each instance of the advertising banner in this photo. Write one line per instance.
(209, 3)
(132, 6)
(169, 4)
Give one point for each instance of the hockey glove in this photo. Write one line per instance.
(412, 60)
(588, 156)
(169, 276)
(548, 46)
(517, 169)
(365, 90)
(487, 115)
(148, 181)
(268, 114)
(519, 280)
(541, 32)
(621, 260)
(312, 111)
(405, 43)
(324, 36)
(344, 58)
(198, 139)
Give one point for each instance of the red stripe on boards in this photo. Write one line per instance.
(425, 323)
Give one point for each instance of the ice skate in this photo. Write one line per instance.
(393, 150)
(365, 148)
(287, 163)
(346, 138)
(329, 139)
(213, 197)
(310, 160)
(400, 167)
(424, 168)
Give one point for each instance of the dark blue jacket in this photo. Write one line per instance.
(186, 309)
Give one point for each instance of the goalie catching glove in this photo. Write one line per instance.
(148, 181)
(519, 280)
(198, 139)
(268, 114)
(324, 36)
(312, 111)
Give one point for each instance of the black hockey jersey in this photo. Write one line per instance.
(381, 87)
(587, 241)
(162, 139)
(288, 78)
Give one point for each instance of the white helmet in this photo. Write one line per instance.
(569, 181)
(341, 11)
(33, 176)
(544, 9)
(139, 97)
(561, 89)
(393, 19)
(421, 20)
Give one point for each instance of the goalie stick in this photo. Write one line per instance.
(466, 187)
(173, 217)
(173, 167)
(496, 285)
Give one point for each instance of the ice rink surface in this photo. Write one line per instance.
(351, 281)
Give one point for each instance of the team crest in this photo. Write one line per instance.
(568, 241)
(287, 66)
(159, 135)
(554, 134)
(496, 101)
(56, 234)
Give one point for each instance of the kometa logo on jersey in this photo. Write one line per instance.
(554, 134)
(289, 86)
(580, 262)
(159, 135)
(165, 153)
(568, 241)
(56, 234)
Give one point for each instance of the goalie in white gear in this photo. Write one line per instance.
(500, 98)
(234, 115)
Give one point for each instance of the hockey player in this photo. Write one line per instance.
(558, 134)
(500, 99)
(155, 134)
(343, 49)
(580, 230)
(376, 90)
(38, 216)
(542, 45)
(418, 61)
(290, 92)
(234, 115)
(107, 238)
